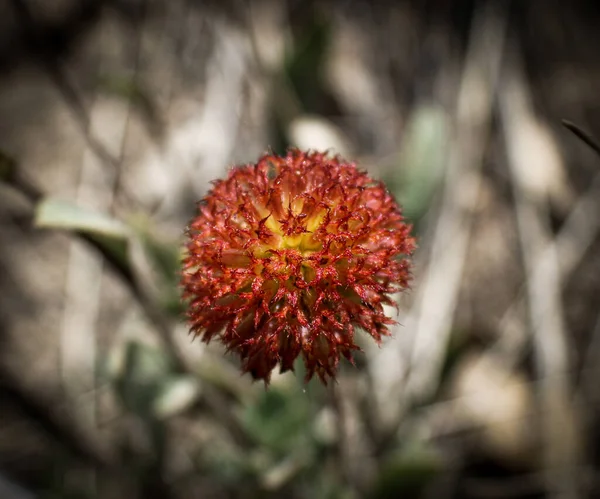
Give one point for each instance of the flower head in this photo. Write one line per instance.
(289, 256)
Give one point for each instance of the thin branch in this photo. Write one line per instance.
(583, 135)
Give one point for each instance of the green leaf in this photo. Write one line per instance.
(228, 466)
(305, 61)
(165, 258)
(406, 474)
(422, 159)
(143, 377)
(280, 420)
(144, 385)
(109, 235)
(58, 214)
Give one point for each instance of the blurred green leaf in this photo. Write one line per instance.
(230, 467)
(458, 345)
(165, 258)
(109, 234)
(145, 372)
(422, 159)
(121, 85)
(304, 63)
(149, 386)
(145, 386)
(280, 420)
(406, 474)
(58, 214)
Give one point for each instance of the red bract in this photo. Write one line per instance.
(289, 256)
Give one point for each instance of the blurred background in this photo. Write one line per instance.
(115, 115)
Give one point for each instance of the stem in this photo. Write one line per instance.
(342, 447)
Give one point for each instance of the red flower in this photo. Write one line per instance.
(289, 256)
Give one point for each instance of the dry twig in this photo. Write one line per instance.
(559, 423)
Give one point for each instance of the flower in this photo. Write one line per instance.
(289, 256)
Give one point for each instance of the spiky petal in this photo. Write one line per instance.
(289, 256)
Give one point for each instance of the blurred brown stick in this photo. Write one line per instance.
(583, 135)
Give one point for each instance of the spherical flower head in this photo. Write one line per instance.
(289, 257)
